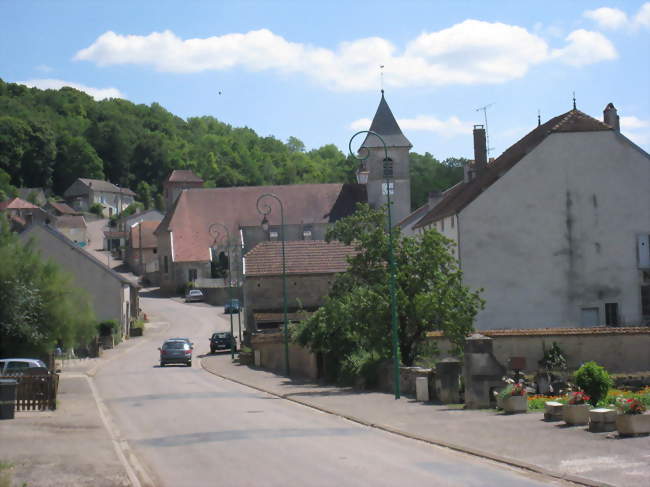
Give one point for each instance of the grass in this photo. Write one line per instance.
(5, 474)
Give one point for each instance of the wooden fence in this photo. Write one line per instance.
(35, 392)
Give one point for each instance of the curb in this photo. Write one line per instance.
(452, 446)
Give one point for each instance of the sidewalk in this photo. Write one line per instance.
(524, 440)
(68, 446)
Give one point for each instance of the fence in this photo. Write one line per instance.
(35, 392)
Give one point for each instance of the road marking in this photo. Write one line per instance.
(134, 469)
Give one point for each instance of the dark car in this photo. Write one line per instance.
(232, 306)
(222, 340)
(176, 351)
(193, 295)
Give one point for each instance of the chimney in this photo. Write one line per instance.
(610, 117)
(480, 149)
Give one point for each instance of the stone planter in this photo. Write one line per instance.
(576, 414)
(633, 424)
(602, 419)
(553, 411)
(515, 404)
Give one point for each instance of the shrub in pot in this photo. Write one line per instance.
(593, 380)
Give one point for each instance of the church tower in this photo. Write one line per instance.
(398, 147)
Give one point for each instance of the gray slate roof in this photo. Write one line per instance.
(385, 125)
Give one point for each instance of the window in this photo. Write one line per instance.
(273, 235)
(589, 317)
(645, 301)
(442, 225)
(611, 314)
(155, 250)
(306, 232)
(192, 274)
(452, 222)
(165, 265)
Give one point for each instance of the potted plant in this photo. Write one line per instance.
(631, 419)
(514, 398)
(576, 409)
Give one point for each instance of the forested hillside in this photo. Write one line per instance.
(48, 138)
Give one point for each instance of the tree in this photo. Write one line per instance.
(355, 318)
(75, 158)
(428, 174)
(40, 306)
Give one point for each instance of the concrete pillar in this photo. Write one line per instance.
(448, 373)
(482, 372)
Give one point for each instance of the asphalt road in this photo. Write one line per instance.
(188, 427)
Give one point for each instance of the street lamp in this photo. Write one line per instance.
(214, 230)
(264, 210)
(388, 174)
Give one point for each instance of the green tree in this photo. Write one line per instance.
(75, 158)
(6, 189)
(40, 306)
(356, 316)
(428, 174)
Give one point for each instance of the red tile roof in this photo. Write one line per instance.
(149, 240)
(63, 208)
(16, 204)
(459, 196)
(196, 209)
(302, 257)
(70, 221)
(183, 176)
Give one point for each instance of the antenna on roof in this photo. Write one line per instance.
(574, 100)
(487, 134)
(381, 78)
(539, 118)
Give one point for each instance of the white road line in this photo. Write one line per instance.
(134, 469)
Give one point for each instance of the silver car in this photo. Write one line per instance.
(193, 295)
(176, 351)
(18, 366)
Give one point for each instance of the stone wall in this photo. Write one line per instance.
(302, 362)
(619, 350)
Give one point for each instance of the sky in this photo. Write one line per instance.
(313, 70)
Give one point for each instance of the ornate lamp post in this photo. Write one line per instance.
(264, 209)
(388, 174)
(215, 231)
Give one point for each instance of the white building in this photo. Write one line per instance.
(555, 230)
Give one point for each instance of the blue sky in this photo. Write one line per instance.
(312, 69)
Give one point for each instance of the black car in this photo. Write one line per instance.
(222, 340)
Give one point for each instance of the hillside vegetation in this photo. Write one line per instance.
(48, 138)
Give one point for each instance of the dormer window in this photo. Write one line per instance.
(273, 235)
(306, 232)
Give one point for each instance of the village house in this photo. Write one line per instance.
(84, 193)
(555, 230)
(113, 297)
(177, 181)
(24, 213)
(311, 267)
(74, 227)
(142, 248)
(58, 208)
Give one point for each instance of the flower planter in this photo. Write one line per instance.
(515, 404)
(633, 424)
(576, 414)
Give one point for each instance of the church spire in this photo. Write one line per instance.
(384, 124)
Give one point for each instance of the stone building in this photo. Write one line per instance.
(555, 230)
(311, 266)
(178, 180)
(84, 193)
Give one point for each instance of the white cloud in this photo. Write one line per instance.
(471, 52)
(608, 18)
(615, 19)
(585, 47)
(636, 129)
(55, 84)
(632, 123)
(451, 127)
(44, 68)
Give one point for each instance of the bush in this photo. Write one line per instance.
(108, 328)
(594, 380)
(97, 209)
(361, 367)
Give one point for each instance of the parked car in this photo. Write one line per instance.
(176, 351)
(193, 295)
(232, 306)
(18, 366)
(222, 340)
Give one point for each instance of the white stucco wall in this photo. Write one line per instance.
(558, 233)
